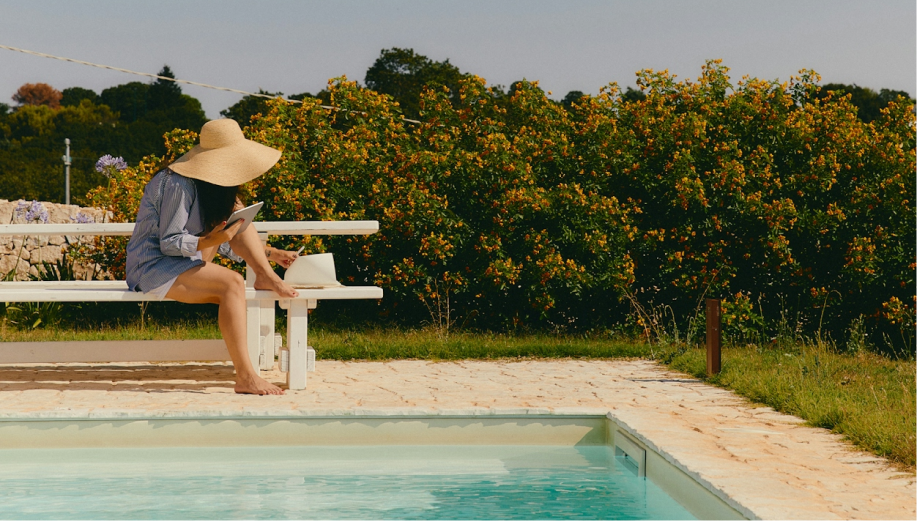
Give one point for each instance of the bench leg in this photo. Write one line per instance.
(253, 332)
(266, 332)
(297, 343)
(259, 324)
(260, 333)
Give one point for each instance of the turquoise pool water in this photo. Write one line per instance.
(361, 482)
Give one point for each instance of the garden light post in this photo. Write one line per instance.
(67, 161)
(713, 336)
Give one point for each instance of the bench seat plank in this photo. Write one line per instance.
(101, 284)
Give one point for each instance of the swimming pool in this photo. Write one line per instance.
(336, 482)
(341, 468)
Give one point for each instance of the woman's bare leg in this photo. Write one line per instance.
(248, 246)
(213, 284)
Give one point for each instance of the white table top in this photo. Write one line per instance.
(116, 291)
(269, 227)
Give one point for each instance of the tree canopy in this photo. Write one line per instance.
(74, 95)
(868, 102)
(38, 94)
(572, 97)
(403, 74)
(243, 110)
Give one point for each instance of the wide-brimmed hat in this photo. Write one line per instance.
(224, 157)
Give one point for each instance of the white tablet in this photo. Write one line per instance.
(248, 213)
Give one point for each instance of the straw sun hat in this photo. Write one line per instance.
(224, 157)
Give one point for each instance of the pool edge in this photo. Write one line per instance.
(680, 482)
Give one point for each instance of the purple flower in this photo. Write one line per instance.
(32, 212)
(82, 218)
(107, 165)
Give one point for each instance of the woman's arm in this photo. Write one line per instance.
(282, 257)
(174, 216)
(219, 235)
(174, 213)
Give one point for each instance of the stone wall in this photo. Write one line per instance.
(26, 253)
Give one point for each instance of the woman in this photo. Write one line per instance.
(181, 225)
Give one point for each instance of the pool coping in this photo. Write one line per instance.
(696, 505)
(252, 413)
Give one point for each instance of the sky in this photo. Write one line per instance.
(295, 46)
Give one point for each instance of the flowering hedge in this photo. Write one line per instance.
(479, 219)
(763, 191)
(500, 211)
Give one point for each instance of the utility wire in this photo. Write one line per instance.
(166, 78)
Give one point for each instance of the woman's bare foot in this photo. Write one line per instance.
(276, 285)
(256, 385)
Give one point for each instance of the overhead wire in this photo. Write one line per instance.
(176, 80)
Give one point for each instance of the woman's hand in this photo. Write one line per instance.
(219, 235)
(284, 258)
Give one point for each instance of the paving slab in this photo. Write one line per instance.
(771, 463)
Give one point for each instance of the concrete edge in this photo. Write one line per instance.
(258, 413)
(710, 487)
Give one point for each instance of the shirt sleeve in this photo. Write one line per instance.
(174, 212)
(226, 250)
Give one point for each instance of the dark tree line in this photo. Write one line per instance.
(126, 120)
(868, 102)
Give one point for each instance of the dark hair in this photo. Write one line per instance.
(216, 202)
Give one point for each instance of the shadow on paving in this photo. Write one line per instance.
(134, 378)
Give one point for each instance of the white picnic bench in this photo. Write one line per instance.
(263, 346)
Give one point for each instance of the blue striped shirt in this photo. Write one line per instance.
(164, 242)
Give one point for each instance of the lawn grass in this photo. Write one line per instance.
(133, 330)
(868, 399)
(390, 344)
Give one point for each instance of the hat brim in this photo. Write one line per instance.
(233, 165)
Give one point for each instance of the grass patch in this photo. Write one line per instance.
(134, 330)
(390, 344)
(868, 399)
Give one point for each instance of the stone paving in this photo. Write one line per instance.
(766, 461)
